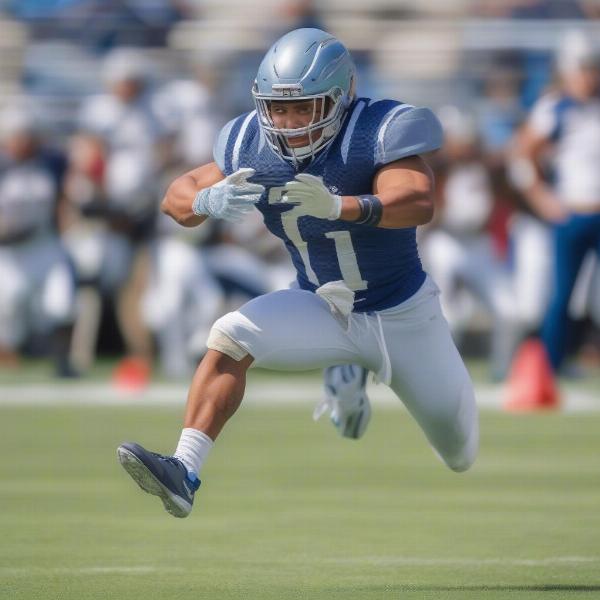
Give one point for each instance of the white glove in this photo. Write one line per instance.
(231, 199)
(310, 195)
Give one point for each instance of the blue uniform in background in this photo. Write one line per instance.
(381, 266)
(573, 129)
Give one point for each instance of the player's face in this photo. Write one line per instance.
(287, 114)
(126, 90)
(19, 146)
(583, 83)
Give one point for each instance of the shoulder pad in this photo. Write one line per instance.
(407, 131)
(548, 113)
(221, 144)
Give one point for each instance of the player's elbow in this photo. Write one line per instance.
(423, 209)
(168, 207)
(178, 207)
(426, 211)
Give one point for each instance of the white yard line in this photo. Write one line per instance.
(393, 561)
(374, 561)
(277, 392)
(98, 570)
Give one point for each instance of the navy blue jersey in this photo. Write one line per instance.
(381, 265)
(29, 191)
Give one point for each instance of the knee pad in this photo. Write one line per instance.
(222, 342)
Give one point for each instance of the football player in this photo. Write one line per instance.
(37, 293)
(341, 181)
(562, 134)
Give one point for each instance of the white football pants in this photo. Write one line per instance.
(408, 346)
(37, 289)
(470, 261)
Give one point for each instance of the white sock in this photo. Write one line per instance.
(193, 449)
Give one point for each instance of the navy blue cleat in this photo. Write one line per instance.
(163, 476)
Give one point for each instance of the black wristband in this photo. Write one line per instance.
(371, 210)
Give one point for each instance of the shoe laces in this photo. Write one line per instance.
(192, 479)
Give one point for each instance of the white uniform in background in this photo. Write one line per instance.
(36, 282)
(185, 111)
(575, 159)
(460, 255)
(130, 133)
(183, 298)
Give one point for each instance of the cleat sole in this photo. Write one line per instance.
(146, 480)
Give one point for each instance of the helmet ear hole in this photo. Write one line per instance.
(328, 106)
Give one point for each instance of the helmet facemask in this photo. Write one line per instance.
(326, 121)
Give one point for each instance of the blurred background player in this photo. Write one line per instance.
(559, 151)
(37, 286)
(459, 249)
(198, 274)
(113, 193)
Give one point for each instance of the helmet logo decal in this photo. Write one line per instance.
(287, 90)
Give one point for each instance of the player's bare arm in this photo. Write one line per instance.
(206, 192)
(528, 176)
(405, 189)
(180, 195)
(402, 197)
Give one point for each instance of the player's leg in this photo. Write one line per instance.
(486, 277)
(532, 265)
(593, 300)
(446, 257)
(181, 304)
(215, 394)
(317, 340)
(430, 377)
(58, 308)
(571, 242)
(291, 329)
(13, 305)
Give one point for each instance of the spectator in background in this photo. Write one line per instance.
(459, 251)
(100, 24)
(199, 273)
(113, 193)
(499, 112)
(563, 135)
(37, 287)
(183, 297)
(189, 116)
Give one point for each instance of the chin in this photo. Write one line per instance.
(298, 142)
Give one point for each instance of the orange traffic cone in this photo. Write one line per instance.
(132, 374)
(531, 382)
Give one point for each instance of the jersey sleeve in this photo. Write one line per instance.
(407, 131)
(543, 120)
(94, 116)
(220, 145)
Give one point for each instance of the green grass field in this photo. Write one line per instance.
(290, 510)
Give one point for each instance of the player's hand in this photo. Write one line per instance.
(230, 199)
(310, 195)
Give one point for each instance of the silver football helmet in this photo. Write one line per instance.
(305, 64)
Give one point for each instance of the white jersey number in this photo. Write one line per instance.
(343, 246)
